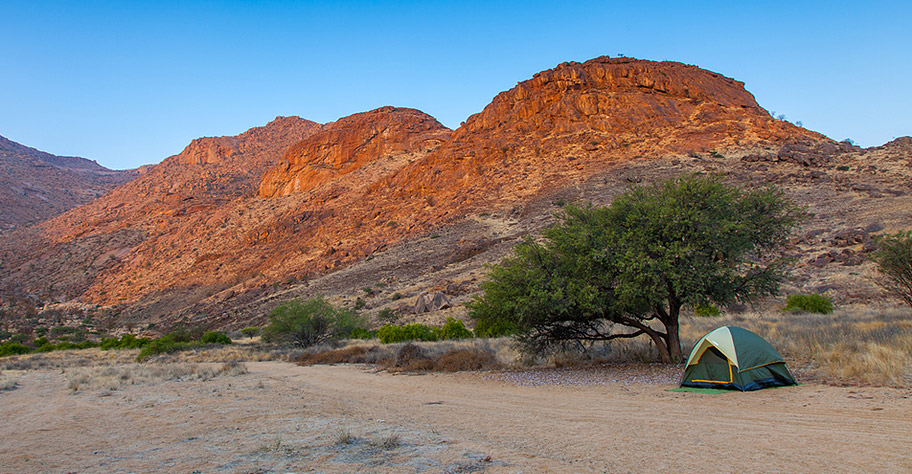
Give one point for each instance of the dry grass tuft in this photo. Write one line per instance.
(7, 382)
(391, 441)
(233, 368)
(113, 378)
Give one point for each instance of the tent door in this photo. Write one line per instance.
(716, 365)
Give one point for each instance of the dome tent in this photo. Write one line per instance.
(734, 358)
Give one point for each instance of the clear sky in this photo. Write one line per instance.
(131, 82)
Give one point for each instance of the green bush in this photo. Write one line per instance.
(215, 337)
(894, 261)
(706, 310)
(182, 333)
(13, 348)
(305, 323)
(809, 303)
(126, 341)
(488, 327)
(454, 329)
(251, 331)
(409, 332)
(162, 345)
(360, 333)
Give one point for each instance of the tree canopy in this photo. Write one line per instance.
(627, 269)
(894, 260)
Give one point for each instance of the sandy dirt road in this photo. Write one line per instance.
(283, 418)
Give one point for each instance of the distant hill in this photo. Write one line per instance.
(35, 186)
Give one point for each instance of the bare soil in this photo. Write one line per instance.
(280, 417)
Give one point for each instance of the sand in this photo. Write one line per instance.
(280, 417)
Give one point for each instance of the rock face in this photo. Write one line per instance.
(231, 217)
(347, 145)
(35, 185)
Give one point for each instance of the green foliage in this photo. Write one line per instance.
(359, 304)
(250, 331)
(688, 241)
(163, 345)
(809, 304)
(305, 323)
(360, 333)
(215, 337)
(126, 341)
(183, 333)
(894, 260)
(396, 296)
(706, 310)
(454, 329)
(409, 332)
(13, 348)
(492, 327)
(41, 331)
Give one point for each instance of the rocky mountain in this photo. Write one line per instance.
(391, 199)
(35, 185)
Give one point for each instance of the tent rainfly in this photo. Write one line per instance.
(734, 358)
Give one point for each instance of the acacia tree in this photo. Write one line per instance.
(894, 260)
(628, 269)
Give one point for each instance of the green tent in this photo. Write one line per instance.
(735, 358)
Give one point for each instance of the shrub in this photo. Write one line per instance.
(706, 310)
(215, 337)
(162, 345)
(360, 333)
(13, 348)
(396, 296)
(808, 303)
(454, 329)
(894, 260)
(489, 327)
(409, 332)
(464, 359)
(181, 333)
(250, 331)
(126, 341)
(387, 315)
(305, 323)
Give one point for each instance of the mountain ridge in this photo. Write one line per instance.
(221, 228)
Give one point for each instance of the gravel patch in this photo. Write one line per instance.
(627, 374)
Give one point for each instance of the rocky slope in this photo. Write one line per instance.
(222, 232)
(35, 185)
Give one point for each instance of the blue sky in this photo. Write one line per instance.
(130, 83)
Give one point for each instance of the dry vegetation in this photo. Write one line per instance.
(854, 345)
(7, 382)
(443, 356)
(115, 377)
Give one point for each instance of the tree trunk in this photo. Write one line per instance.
(659, 341)
(672, 338)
